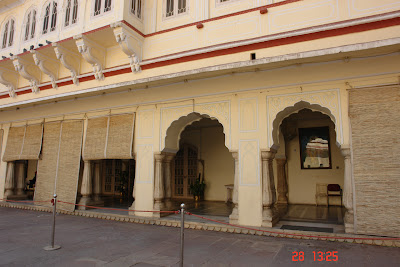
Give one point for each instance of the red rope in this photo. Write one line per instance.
(103, 208)
(330, 237)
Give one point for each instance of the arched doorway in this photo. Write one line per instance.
(307, 161)
(202, 156)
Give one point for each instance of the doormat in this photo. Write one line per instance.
(307, 228)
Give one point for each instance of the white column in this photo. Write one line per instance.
(97, 181)
(86, 187)
(20, 178)
(9, 183)
(234, 217)
(269, 216)
(282, 185)
(168, 175)
(158, 183)
(348, 191)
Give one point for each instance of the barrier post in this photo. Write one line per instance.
(182, 234)
(52, 246)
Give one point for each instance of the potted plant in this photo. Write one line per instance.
(197, 188)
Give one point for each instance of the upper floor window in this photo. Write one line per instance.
(50, 17)
(71, 12)
(101, 6)
(175, 7)
(8, 33)
(136, 8)
(30, 25)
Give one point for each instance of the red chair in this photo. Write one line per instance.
(334, 190)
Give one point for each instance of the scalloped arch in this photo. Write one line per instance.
(173, 133)
(280, 116)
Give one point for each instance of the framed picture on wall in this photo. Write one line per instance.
(315, 150)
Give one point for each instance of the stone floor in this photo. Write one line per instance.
(95, 242)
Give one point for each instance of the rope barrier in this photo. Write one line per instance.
(280, 233)
(208, 219)
(104, 208)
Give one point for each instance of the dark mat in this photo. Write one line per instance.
(307, 228)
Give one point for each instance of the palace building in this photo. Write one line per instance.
(287, 110)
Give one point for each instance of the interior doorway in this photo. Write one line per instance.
(118, 179)
(185, 171)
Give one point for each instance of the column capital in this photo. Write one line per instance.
(159, 157)
(346, 151)
(268, 154)
(280, 160)
(168, 157)
(235, 155)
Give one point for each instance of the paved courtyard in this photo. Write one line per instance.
(95, 242)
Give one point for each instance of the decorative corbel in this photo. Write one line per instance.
(22, 67)
(11, 85)
(69, 59)
(130, 43)
(93, 53)
(43, 62)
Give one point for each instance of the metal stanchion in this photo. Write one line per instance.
(182, 234)
(52, 246)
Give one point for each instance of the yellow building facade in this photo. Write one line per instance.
(273, 100)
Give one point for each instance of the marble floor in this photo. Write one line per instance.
(315, 214)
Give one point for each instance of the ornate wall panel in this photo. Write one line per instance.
(365, 7)
(145, 161)
(307, 14)
(248, 112)
(249, 162)
(145, 123)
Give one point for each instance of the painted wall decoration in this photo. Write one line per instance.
(315, 148)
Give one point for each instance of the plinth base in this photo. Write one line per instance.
(50, 248)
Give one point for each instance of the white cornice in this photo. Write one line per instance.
(235, 65)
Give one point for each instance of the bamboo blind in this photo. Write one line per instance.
(95, 141)
(69, 163)
(47, 167)
(109, 137)
(24, 143)
(120, 137)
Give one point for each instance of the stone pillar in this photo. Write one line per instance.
(158, 184)
(168, 175)
(86, 187)
(348, 191)
(282, 201)
(269, 215)
(97, 183)
(20, 179)
(234, 217)
(9, 183)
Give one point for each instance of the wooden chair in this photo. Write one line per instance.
(334, 190)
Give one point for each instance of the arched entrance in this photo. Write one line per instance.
(195, 146)
(308, 159)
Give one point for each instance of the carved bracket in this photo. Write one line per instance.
(93, 53)
(130, 43)
(22, 67)
(69, 59)
(9, 83)
(44, 64)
